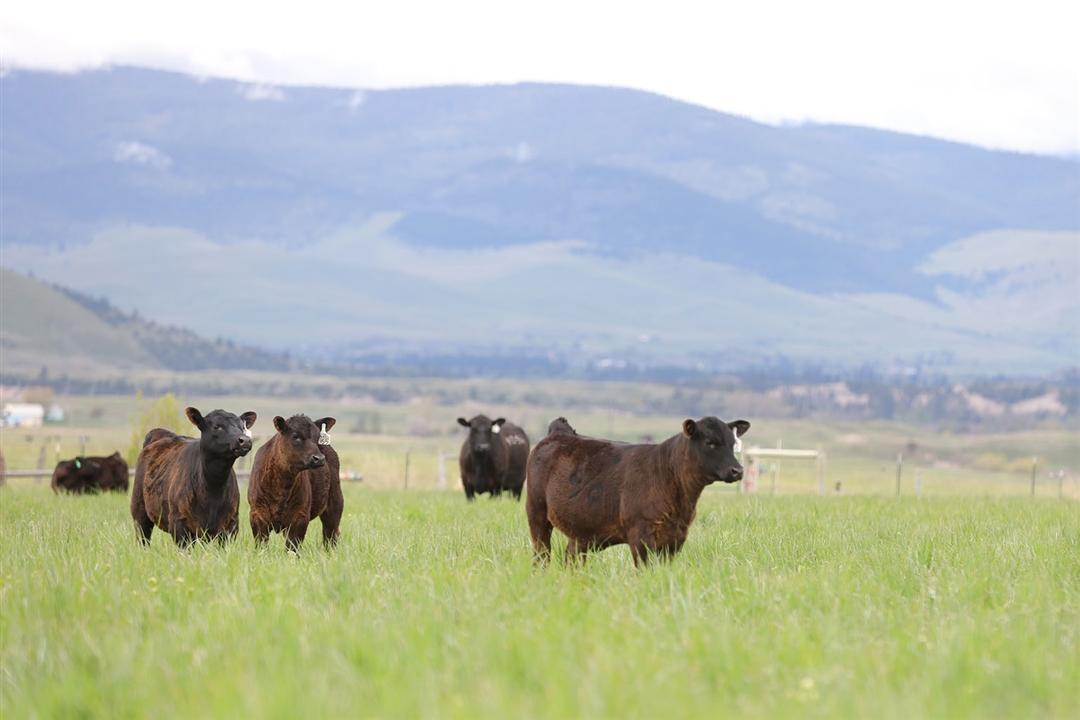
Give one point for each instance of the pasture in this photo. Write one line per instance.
(778, 606)
(410, 424)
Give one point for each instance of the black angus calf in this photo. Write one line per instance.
(493, 457)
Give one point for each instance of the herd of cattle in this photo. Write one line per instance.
(597, 492)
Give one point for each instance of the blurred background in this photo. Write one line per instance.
(857, 227)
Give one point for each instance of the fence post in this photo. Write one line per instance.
(1034, 468)
(1061, 484)
(918, 482)
(442, 472)
(776, 465)
(407, 469)
(899, 470)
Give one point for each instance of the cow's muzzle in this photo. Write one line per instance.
(242, 447)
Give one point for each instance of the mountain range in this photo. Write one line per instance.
(596, 224)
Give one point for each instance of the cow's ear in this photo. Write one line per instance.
(195, 417)
(249, 419)
(499, 421)
(689, 427)
(327, 421)
(279, 424)
(739, 427)
(463, 422)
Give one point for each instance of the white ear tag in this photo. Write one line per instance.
(324, 437)
(496, 429)
(247, 432)
(738, 442)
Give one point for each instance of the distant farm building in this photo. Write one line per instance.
(23, 415)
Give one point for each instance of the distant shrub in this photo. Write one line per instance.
(991, 461)
(165, 412)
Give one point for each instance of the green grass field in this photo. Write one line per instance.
(785, 606)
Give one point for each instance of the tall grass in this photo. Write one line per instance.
(787, 606)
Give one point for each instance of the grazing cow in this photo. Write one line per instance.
(187, 487)
(601, 493)
(493, 457)
(114, 473)
(77, 476)
(91, 474)
(295, 479)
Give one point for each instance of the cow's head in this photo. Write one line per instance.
(712, 444)
(222, 433)
(300, 440)
(561, 425)
(483, 432)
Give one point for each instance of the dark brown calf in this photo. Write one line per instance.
(77, 476)
(114, 473)
(91, 474)
(600, 493)
(187, 487)
(295, 479)
(493, 457)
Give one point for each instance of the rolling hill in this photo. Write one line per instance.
(590, 222)
(50, 330)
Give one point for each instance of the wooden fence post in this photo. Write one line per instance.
(1034, 469)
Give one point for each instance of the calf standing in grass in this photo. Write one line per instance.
(187, 487)
(493, 457)
(600, 493)
(294, 480)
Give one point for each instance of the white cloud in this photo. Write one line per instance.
(260, 91)
(137, 153)
(992, 74)
(355, 100)
(523, 152)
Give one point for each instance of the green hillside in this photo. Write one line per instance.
(69, 334)
(42, 327)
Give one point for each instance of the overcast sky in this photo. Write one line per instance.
(1002, 75)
